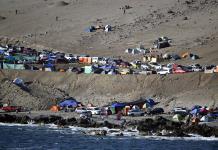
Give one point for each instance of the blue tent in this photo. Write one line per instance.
(194, 111)
(150, 102)
(68, 103)
(196, 107)
(10, 58)
(118, 105)
(108, 67)
(2, 52)
(90, 29)
(49, 65)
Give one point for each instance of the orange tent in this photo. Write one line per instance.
(184, 55)
(216, 69)
(54, 108)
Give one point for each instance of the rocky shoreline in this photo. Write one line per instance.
(155, 126)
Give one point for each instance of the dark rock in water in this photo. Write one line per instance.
(66, 122)
(202, 130)
(46, 119)
(5, 118)
(84, 122)
(110, 125)
(23, 119)
(154, 126)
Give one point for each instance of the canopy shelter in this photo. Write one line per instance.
(116, 107)
(69, 103)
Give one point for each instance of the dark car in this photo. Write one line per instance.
(156, 111)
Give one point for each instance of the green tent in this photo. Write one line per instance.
(13, 66)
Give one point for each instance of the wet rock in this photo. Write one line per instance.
(160, 124)
(46, 119)
(202, 130)
(5, 118)
(66, 122)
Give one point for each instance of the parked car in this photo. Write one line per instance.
(196, 68)
(164, 72)
(80, 110)
(145, 67)
(11, 108)
(135, 63)
(209, 69)
(156, 111)
(178, 70)
(155, 65)
(180, 110)
(125, 71)
(94, 110)
(135, 112)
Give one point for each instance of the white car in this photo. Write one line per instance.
(69, 56)
(164, 72)
(94, 110)
(80, 110)
(196, 68)
(179, 110)
(155, 65)
(145, 67)
(135, 112)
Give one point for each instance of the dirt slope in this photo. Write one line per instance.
(179, 90)
(192, 24)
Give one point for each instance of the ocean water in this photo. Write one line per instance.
(34, 137)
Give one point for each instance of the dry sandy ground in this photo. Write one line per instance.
(192, 24)
(173, 90)
(36, 25)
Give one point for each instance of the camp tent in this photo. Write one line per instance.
(54, 108)
(90, 29)
(177, 118)
(195, 111)
(150, 102)
(13, 66)
(88, 69)
(116, 107)
(69, 103)
(18, 81)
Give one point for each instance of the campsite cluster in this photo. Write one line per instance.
(140, 107)
(13, 57)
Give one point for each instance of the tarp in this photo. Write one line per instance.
(13, 66)
(196, 107)
(22, 57)
(88, 69)
(177, 118)
(90, 29)
(194, 111)
(150, 102)
(9, 59)
(2, 52)
(108, 67)
(18, 81)
(68, 103)
(118, 105)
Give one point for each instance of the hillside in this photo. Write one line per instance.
(61, 24)
(179, 90)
